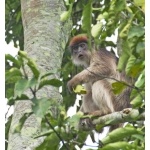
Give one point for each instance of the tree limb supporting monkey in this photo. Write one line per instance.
(114, 118)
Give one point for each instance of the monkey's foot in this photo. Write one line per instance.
(86, 124)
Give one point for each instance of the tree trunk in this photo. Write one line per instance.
(44, 36)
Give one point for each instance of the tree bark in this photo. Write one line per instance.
(44, 36)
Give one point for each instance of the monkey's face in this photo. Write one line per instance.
(80, 54)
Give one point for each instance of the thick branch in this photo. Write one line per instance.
(126, 115)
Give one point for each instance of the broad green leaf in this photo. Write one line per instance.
(13, 59)
(96, 29)
(136, 31)
(136, 69)
(140, 137)
(13, 72)
(79, 89)
(87, 16)
(120, 5)
(140, 83)
(52, 82)
(119, 146)
(119, 134)
(40, 106)
(22, 85)
(137, 101)
(118, 87)
(122, 61)
(130, 63)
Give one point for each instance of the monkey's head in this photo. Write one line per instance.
(79, 50)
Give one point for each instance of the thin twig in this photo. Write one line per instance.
(56, 133)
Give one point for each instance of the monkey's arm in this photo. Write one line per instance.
(91, 74)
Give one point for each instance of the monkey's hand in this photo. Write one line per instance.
(72, 84)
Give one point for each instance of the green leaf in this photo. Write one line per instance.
(13, 59)
(47, 133)
(22, 85)
(120, 5)
(30, 63)
(96, 29)
(87, 16)
(140, 3)
(7, 126)
(50, 142)
(40, 106)
(119, 134)
(49, 73)
(140, 83)
(64, 16)
(12, 72)
(124, 56)
(136, 69)
(21, 122)
(79, 89)
(118, 146)
(136, 31)
(137, 101)
(12, 100)
(130, 63)
(118, 87)
(34, 68)
(52, 82)
(140, 49)
(23, 54)
(125, 30)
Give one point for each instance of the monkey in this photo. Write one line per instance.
(100, 68)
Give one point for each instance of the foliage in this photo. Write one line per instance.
(99, 19)
(13, 23)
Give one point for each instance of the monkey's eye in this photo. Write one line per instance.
(75, 49)
(82, 45)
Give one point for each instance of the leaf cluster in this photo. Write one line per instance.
(13, 23)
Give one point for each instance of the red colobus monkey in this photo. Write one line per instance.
(99, 69)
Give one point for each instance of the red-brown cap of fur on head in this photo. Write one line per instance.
(78, 39)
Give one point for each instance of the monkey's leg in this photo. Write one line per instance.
(102, 97)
